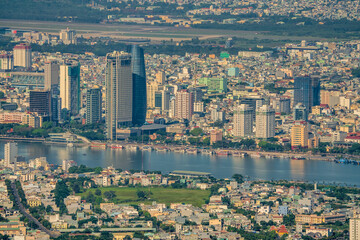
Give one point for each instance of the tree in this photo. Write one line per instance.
(109, 194)
(196, 131)
(238, 178)
(98, 192)
(49, 209)
(289, 220)
(142, 194)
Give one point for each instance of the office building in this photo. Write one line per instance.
(52, 76)
(299, 135)
(40, 102)
(6, 62)
(70, 87)
(354, 227)
(307, 91)
(119, 92)
(139, 85)
(243, 121)
(93, 105)
(10, 153)
(160, 78)
(300, 112)
(265, 122)
(68, 36)
(184, 104)
(55, 108)
(22, 55)
(282, 105)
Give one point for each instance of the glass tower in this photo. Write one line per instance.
(139, 84)
(307, 91)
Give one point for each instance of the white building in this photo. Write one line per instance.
(68, 36)
(243, 121)
(354, 228)
(22, 55)
(265, 122)
(6, 62)
(10, 153)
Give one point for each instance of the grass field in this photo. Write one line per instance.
(161, 195)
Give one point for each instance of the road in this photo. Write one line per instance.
(29, 216)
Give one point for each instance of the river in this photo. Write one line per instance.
(218, 166)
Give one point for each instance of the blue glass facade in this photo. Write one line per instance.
(307, 91)
(139, 84)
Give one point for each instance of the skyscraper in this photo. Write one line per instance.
(51, 79)
(70, 87)
(119, 92)
(300, 112)
(93, 105)
(307, 91)
(10, 153)
(22, 55)
(243, 121)
(184, 104)
(139, 85)
(40, 102)
(265, 122)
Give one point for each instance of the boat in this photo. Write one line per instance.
(116, 146)
(298, 158)
(146, 148)
(206, 152)
(133, 148)
(192, 151)
(179, 150)
(222, 153)
(161, 149)
(70, 144)
(238, 154)
(98, 145)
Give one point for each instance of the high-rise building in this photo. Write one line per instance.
(70, 87)
(119, 92)
(152, 88)
(6, 62)
(184, 104)
(307, 91)
(52, 76)
(40, 102)
(282, 105)
(299, 134)
(300, 112)
(10, 153)
(139, 85)
(243, 121)
(93, 105)
(22, 55)
(68, 36)
(265, 122)
(160, 78)
(354, 227)
(55, 108)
